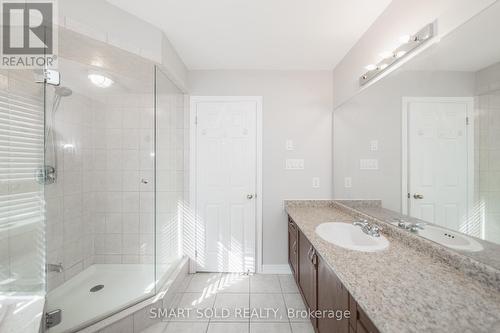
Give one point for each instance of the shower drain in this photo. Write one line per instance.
(96, 288)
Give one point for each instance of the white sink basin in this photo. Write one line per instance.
(351, 237)
(450, 239)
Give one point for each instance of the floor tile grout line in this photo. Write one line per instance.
(284, 302)
(215, 298)
(219, 294)
(249, 298)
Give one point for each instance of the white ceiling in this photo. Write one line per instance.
(259, 34)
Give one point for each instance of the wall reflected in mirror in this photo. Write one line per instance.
(425, 139)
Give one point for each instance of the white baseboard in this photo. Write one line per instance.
(276, 269)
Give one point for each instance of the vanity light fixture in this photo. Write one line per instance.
(382, 66)
(409, 44)
(100, 80)
(385, 55)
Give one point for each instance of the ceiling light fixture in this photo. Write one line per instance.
(100, 80)
(409, 44)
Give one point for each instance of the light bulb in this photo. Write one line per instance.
(386, 54)
(100, 80)
(399, 54)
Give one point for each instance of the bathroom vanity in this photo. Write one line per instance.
(313, 276)
(411, 286)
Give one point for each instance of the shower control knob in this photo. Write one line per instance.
(144, 181)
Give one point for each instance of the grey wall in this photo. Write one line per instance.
(375, 114)
(297, 105)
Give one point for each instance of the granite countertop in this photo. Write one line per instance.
(402, 289)
(488, 256)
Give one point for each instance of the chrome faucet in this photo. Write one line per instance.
(368, 228)
(413, 227)
(54, 268)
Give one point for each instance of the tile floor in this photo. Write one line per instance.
(216, 291)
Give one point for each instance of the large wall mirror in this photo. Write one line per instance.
(425, 139)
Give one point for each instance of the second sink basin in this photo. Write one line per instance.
(450, 239)
(351, 237)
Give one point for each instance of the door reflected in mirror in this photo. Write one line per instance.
(436, 122)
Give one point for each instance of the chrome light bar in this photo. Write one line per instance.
(413, 42)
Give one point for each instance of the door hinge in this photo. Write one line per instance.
(466, 120)
(196, 254)
(53, 318)
(196, 120)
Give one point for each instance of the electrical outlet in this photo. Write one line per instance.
(368, 164)
(347, 182)
(294, 164)
(315, 182)
(374, 145)
(289, 145)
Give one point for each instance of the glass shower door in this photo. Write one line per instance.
(22, 229)
(100, 209)
(170, 173)
(21, 195)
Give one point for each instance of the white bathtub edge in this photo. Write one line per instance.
(167, 290)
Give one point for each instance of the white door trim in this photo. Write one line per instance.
(193, 166)
(404, 146)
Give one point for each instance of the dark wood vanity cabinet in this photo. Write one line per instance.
(308, 273)
(359, 322)
(332, 295)
(293, 242)
(322, 290)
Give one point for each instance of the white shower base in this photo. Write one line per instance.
(123, 285)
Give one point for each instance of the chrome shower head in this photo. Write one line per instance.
(63, 91)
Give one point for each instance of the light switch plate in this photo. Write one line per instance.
(368, 164)
(315, 182)
(374, 145)
(294, 164)
(347, 182)
(289, 145)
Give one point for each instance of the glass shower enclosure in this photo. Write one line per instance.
(92, 182)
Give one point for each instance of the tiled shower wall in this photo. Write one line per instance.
(102, 208)
(487, 149)
(123, 179)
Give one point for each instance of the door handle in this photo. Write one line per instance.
(418, 196)
(249, 196)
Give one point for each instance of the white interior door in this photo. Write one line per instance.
(438, 160)
(226, 177)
